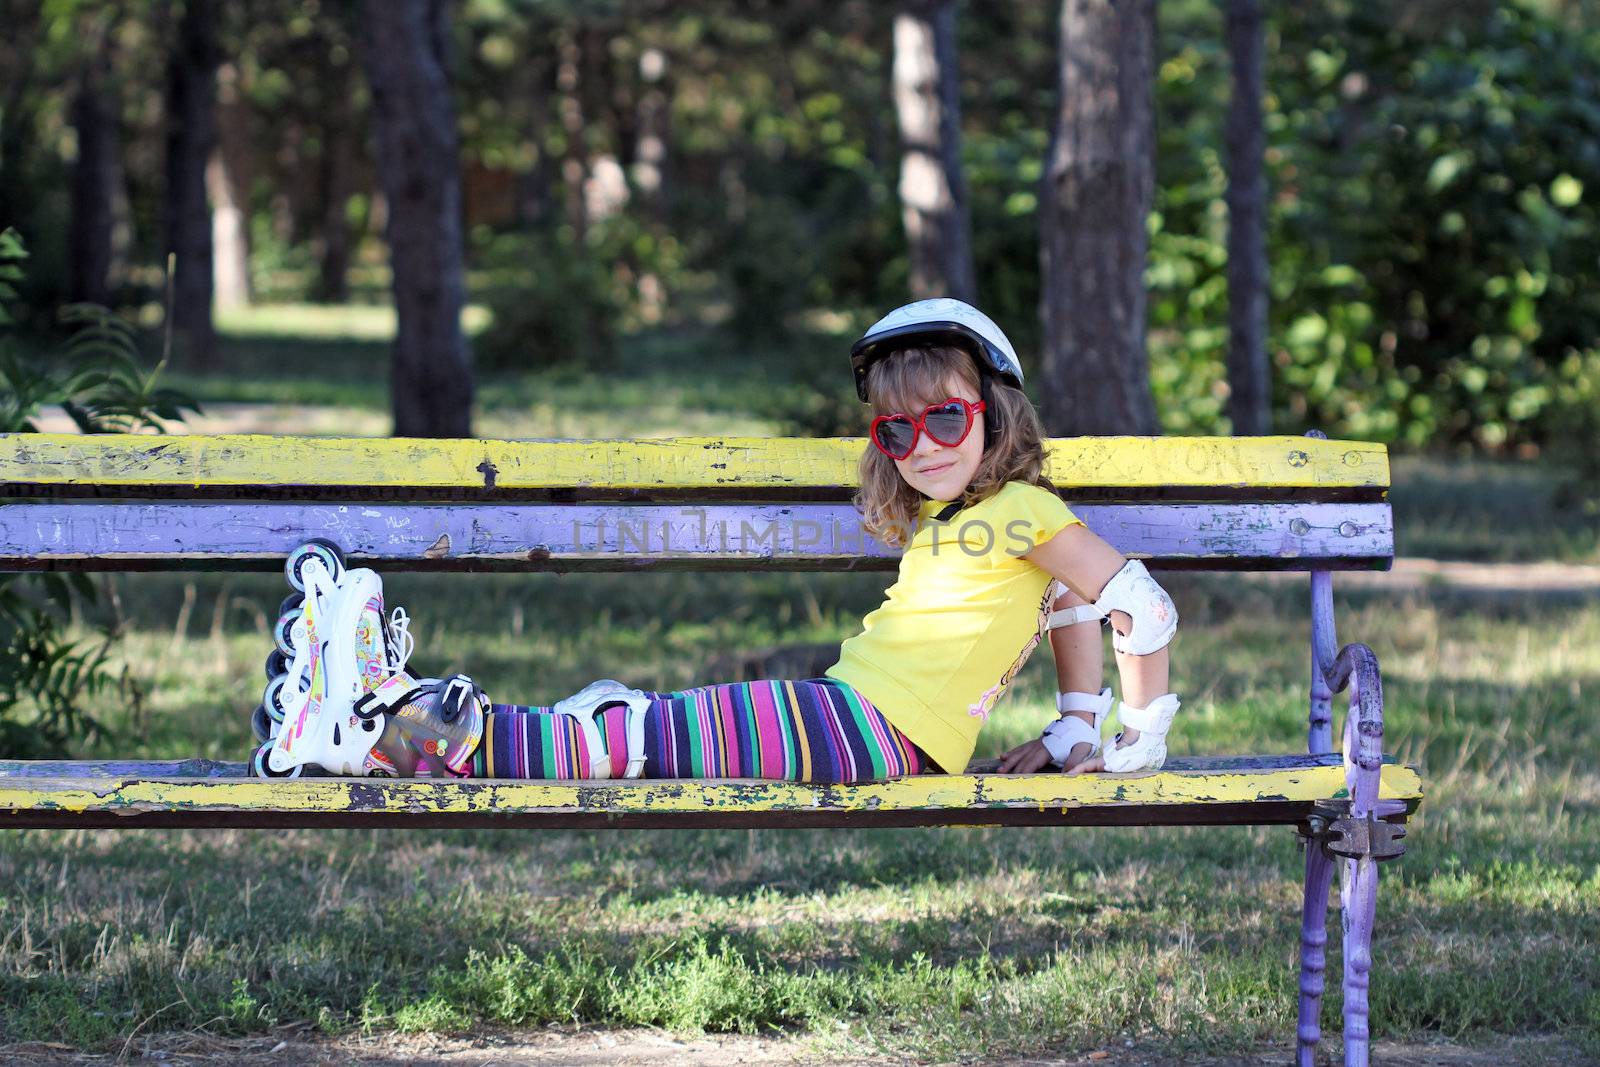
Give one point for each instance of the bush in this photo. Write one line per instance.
(554, 303)
(95, 377)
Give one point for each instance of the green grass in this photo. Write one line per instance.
(931, 943)
(684, 381)
(1489, 510)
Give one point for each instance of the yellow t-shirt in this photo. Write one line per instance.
(960, 620)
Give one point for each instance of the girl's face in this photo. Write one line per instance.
(941, 472)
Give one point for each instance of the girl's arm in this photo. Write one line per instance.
(1079, 654)
(1085, 563)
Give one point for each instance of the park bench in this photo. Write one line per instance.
(113, 503)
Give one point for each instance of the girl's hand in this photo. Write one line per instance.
(1032, 757)
(1088, 766)
(1026, 758)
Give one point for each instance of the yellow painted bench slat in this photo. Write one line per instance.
(1168, 796)
(224, 460)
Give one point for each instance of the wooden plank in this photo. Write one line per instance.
(383, 465)
(198, 767)
(101, 536)
(1165, 797)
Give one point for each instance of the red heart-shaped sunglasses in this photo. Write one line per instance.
(948, 422)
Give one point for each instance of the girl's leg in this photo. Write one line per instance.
(817, 730)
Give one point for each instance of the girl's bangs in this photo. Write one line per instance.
(912, 379)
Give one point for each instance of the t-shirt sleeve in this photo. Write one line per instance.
(1034, 517)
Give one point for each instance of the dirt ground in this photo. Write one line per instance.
(637, 1048)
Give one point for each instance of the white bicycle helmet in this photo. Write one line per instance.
(941, 319)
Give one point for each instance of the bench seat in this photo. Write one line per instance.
(1193, 790)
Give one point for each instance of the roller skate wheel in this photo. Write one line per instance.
(277, 701)
(261, 723)
(263, 764)
(277, 663)
(283, 633)
(318, 548)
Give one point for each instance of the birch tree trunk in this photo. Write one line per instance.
(933, 192)
(228, 182)
(1098, 185)
(191, 136)
(1249, 381)
(406, 46)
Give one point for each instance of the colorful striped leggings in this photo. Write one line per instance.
(817, 730)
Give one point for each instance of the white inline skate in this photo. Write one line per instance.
(338, 693)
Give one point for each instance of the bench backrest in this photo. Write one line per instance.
(132, 502)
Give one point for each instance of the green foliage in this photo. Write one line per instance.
(1434, 182)
(43, 671)
(1433, 225)
(46, 677)
(554, 304)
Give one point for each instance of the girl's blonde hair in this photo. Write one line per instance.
(909, 380)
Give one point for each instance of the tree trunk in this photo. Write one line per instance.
(228, 181)
(413, 116)
(95, 176)
(191, 136)
(1098, 184)
(19, 110)
(336, 164)
(575, 159)
(1249, 382)
(535, 186)
(933, 192)
(334, 241)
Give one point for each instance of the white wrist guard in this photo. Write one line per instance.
(1150, 751)
(1061, 736)
(1155, 617)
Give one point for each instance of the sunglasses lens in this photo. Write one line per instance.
(947, 424)
(896, 436)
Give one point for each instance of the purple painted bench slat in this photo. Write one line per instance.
(101, 536)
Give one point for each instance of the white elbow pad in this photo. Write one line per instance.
(1155, 617)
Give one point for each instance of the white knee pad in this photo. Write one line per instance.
(587, 702)
(1152, 721)
(1155, 617)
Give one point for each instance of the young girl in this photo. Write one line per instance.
(952, 475)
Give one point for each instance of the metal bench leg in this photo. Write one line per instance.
(1357, 668)
(1319, 865)
(1356, 835)
(1360, 899)
(1313, 953)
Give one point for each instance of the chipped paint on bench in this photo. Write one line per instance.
(684, 463)
(109, 536)
(1284, 795)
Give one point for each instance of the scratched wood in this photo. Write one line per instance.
(1167, 797)
(198, 767)
(231, 461)
(106, 536)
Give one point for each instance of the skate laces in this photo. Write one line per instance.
(398, 644)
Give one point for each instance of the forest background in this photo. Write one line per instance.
(1428, 211)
